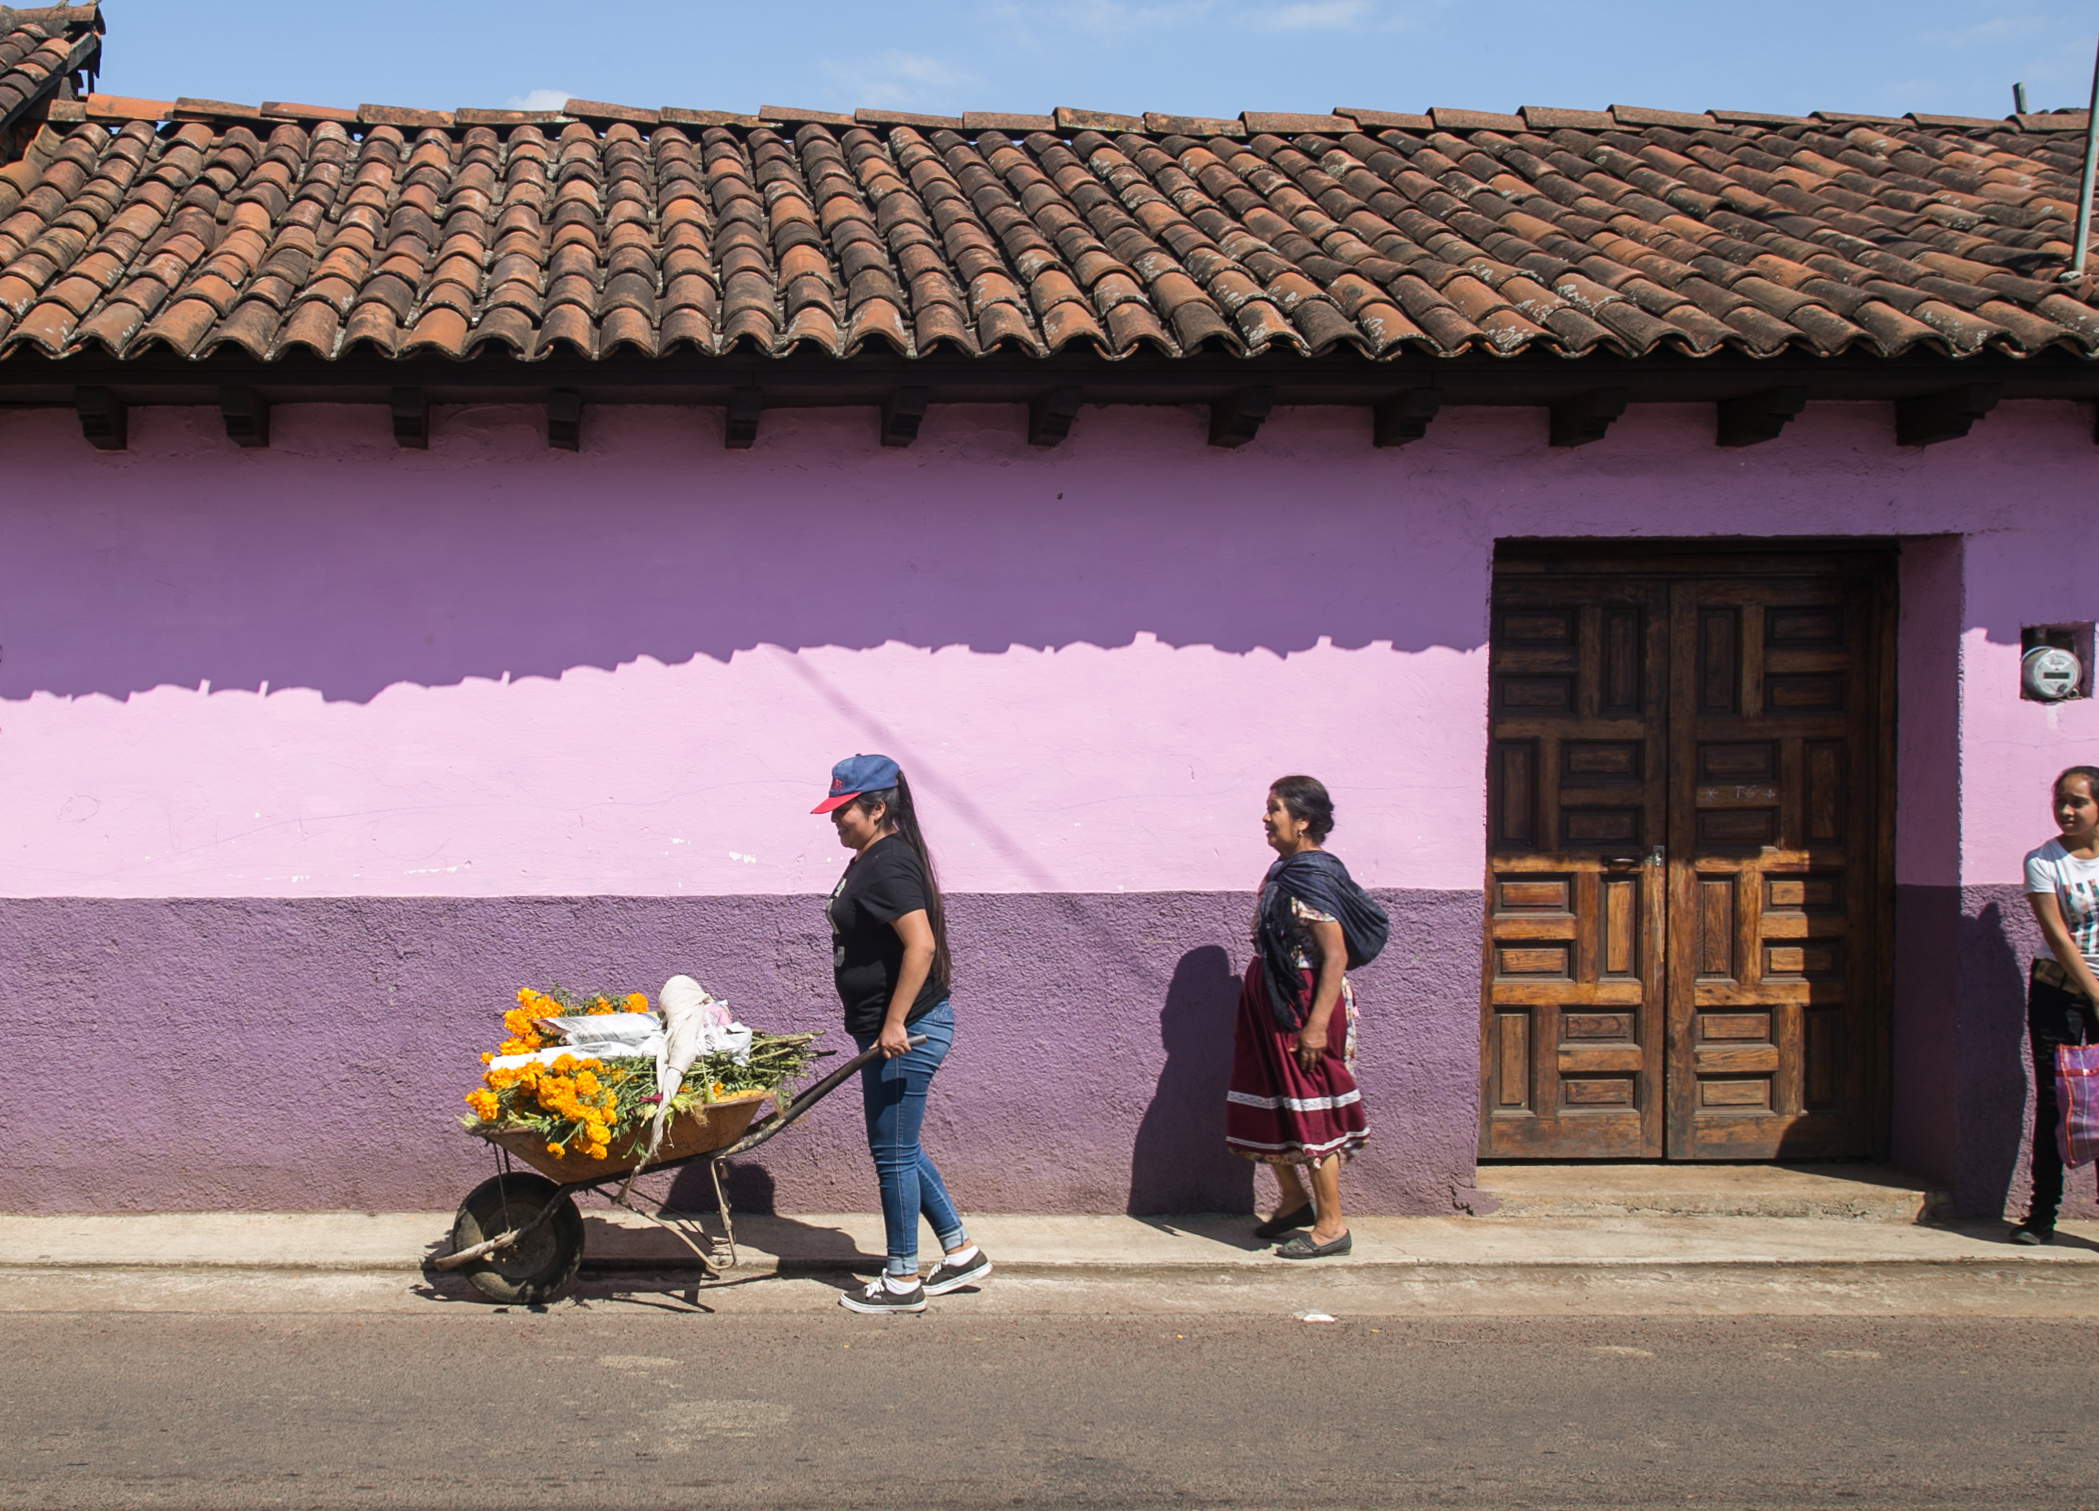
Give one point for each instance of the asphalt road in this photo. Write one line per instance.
(775, 1398)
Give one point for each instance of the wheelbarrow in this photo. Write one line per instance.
(518, 1236)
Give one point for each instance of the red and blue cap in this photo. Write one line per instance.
(855, 775)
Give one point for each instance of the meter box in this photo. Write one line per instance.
(2055, 662)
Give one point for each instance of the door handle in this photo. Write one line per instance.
(1657, 857)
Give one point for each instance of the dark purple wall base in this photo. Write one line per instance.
(1963, 1078)
(266, 1055)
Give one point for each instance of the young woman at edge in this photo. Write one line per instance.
(2062, 996)
(1272, 1067)
(890, 961)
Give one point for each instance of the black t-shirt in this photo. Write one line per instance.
(878, 888)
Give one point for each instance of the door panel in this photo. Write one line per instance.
(1684, 872)
(1575, 1032)
(1772, 919)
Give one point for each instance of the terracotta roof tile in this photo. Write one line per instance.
(1447, 119)
(395, 115)
(904, 118)
(672, 115)
(1376, 120)
(787, 115)
(1067, 119)
(608, 229)
(1282, 124)
(2059, 120)
(981, 120)
(40, 52)
(599, 110)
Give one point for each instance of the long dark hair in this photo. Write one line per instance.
(899, 810)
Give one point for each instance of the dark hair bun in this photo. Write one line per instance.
(1306, 799)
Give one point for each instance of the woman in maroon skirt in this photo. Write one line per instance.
(1293, 1099)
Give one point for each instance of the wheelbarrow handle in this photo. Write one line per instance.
(773, 1122)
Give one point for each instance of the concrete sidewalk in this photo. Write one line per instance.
(1568, 1216)
(1098, 1246)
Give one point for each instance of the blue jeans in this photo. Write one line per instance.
(894, 1092)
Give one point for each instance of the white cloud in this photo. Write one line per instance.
(538, 99)
(1310, 15)
(897, 79)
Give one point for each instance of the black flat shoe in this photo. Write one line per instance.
(1302, 1247)
(2029, 1235)
(1283, 1222)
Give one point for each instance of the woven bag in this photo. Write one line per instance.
(2077, 1095)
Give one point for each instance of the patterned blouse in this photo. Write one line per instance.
(1303, 948)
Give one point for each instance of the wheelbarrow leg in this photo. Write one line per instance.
(706, 1260)
(721, 1205)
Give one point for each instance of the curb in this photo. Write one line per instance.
(2081, 1267)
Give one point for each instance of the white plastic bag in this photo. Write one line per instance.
(694, 1025)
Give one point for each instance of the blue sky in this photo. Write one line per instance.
(1197, 57)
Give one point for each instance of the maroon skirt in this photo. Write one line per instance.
(1276, 1111)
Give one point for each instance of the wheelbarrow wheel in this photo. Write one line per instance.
(538, 1266)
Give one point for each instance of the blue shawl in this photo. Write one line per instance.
(1325, 886)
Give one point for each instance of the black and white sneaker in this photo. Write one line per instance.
(951, 1276)
(878, 1297)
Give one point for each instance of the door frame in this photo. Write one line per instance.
(1542, 557)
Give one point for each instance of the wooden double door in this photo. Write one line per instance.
(1689, 879)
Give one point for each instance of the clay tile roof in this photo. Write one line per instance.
(1068, 119)
(41, 49)
(477, 117)
(1447, 119)
(672, 115)
(1757, 118)
(1957, 122)
(981, 120)
(788, 115)
(598, 110)
(112, 107)
(905, 118)
(396, 115)
(1638, 115)
(1546, 118)
(2056, 120)
(1293, 125)
(609, 231)
(1377, 120)
(214, 110)
(1190, 125)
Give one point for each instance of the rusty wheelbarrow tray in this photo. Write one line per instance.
(518, 1237)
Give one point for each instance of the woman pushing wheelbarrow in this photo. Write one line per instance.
(889, 960)
(592, 1092)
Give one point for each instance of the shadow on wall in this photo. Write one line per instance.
(748, 1186)
(1998, 1098)
(329, 564)
(1179, 1162)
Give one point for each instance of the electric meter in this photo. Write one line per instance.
(2051, 673)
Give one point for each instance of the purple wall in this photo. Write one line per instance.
(1088, 1074)
(308, 754)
